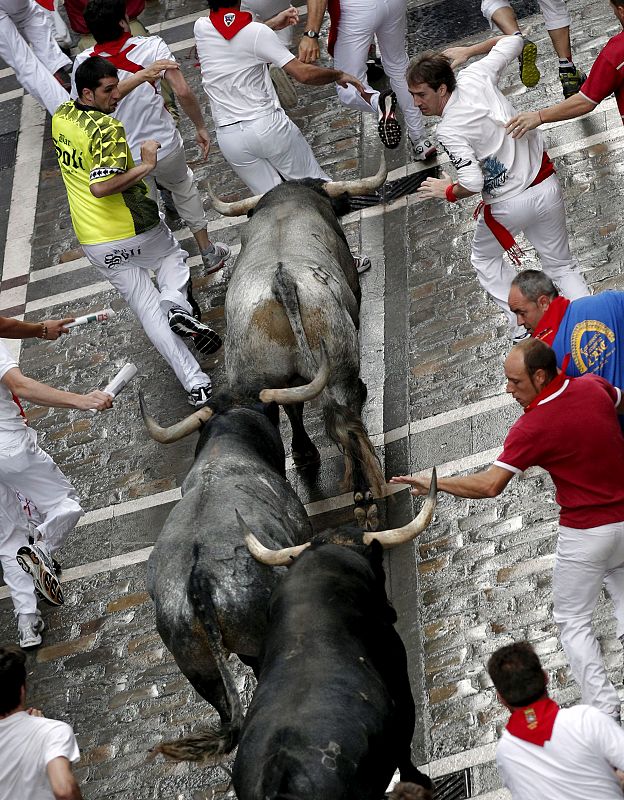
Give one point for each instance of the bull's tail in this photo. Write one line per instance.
(361, 461)
(207, 743)
(285, 291)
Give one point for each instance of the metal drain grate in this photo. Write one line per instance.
(8, 146)
(455, 786)
(392, 190)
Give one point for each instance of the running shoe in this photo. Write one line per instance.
(199, 396)
(388, 126)
(423, 149)
(34, 560)
(362, 263)
(205, 340)
(29, 628)
(529, 73)
(571, 81)
(215, 259)
(285, 88)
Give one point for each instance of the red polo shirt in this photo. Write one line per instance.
(574, 434)
(607, 74)
(75, 10)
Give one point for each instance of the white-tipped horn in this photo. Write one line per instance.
(397, 536)
(301, 394)
(362, 186)
(236, 209)
(273, 558)
(174, 432)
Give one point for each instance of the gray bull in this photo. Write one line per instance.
(294, 284)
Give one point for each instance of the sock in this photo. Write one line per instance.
(566, 65)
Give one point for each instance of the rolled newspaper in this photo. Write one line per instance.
(119, 382)
(98, 316)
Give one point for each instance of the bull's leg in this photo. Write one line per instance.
(304, 451)
(365, 512)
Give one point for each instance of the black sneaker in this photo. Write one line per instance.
(205, 340)
(571, 81)
(388, 127)
(529, 73)
(199, 396)
(36, 562)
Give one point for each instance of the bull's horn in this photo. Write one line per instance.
(178, 431)
(274, 558)
(237, 209)
(410, 531)
(363, 186)
(301, 394)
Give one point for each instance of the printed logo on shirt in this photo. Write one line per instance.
(531, 718)
(121, 256)
(494, 174)
(229, 18)
(456, 161)
(592, 345)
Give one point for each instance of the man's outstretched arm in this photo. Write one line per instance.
(489, 483)
(572, 107)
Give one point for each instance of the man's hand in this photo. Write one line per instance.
(56, 327)
(420, 486)
(345, 80)
(156, 70)
(309, 50)
(523, 123)
(202, 137)
(458, 55)
(148, 152)
(96, 400)
(435, 187)
(35, 712)
(285, 18)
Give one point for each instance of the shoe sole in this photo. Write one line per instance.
(529, 73)
(46, 582)
(220, 265)
(388, 128)
(205, 341)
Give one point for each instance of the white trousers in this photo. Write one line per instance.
(126, 265)
(585, 560)
(23, 21)
(555, 12)
(539, 213)
(173, 173)
(14, 533)
(360, 21)
(263, 152)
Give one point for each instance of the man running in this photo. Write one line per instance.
(519, 188)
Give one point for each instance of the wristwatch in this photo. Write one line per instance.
(311, 34)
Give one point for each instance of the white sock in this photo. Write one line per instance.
(564, 63)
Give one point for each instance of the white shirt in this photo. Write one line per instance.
(11, 420)
(576, 764)
(27, 745)
(235, 75)
(472, 130)
(142, 112)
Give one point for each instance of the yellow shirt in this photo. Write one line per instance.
(91, 147)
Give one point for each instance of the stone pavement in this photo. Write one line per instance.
(432, 359)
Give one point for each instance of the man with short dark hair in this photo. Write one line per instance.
(36, 753)
(516, 179)
(119, 226)
(547, 752)
(570, 428)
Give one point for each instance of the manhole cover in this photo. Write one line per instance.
(8, 145)
(455, 786)
(392, 190)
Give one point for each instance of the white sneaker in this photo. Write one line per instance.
(215, 259)
(422, 149)
(30, 627)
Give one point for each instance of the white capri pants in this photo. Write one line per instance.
(539, 213)
(23, 21)
(126, 264)
(555, 12)
(360, 21)
(585, 559)
(14, 533)
(173, 173)
(265, 151)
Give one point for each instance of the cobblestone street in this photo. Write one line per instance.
(432, 351)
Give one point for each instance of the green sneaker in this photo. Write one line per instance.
(529, 73)
(571, 81)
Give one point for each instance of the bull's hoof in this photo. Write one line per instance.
(360, 517)
(308, 458)
(372, 518)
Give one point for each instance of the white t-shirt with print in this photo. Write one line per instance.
(142, 112)
(235, 73)
(472, 130)
(27, 745)
(11, 420)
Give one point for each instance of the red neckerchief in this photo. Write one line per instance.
(534, 723)
(229, 21)
(499, 231)
(116, 54)
(47, 4)
(333, 7)
(552, 387)
(549, 324)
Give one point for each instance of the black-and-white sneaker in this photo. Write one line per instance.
(388, 126)
(362, 263)
(34, 560)
(29, 628)
(215, 259)
(423, 149)
(205, 340)
(199, 396)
